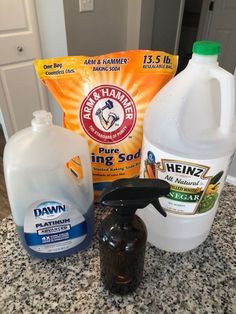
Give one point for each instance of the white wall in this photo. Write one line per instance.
(51, 22)
(114, 25)
(146, 24)
(97, 32)
(133, 24)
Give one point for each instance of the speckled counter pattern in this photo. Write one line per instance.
(200, 281)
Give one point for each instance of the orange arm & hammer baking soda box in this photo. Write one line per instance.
(104, 99)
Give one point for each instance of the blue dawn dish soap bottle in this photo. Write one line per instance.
(52, 208)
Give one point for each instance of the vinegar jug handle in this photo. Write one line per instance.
(227, 98)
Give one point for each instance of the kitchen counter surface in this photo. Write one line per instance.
(199, 281)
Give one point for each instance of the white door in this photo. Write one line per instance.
(220, 25)
(21, 92)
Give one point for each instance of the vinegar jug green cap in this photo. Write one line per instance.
(207, 48)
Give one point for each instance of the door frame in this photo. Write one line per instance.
(2, 123)
(205, 20)
(49, 14)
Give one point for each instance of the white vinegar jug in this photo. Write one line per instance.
(52, 209)
(189, 141)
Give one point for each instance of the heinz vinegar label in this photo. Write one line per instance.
(195, 184)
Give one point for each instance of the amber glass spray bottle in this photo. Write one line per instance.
(123, 235)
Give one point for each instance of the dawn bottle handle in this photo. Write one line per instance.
(84, 156)
(227, 98)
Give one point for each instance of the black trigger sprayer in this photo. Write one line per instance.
(123, 235)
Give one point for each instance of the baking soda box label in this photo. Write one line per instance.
(104, 99)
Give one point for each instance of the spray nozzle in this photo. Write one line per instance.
(127, 195)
